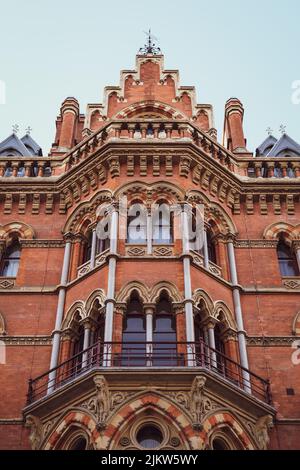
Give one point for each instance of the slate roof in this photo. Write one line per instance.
(271, 147)
(24, 147)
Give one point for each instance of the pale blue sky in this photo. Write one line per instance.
(53, 49)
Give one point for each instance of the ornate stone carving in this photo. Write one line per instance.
(7, 283)
(114, 166)
(115, 399)
(102, 402)
(291, 283)
(270, 340)
(261, 431)
(125, 441)
(196, 401)
(184, 166)
(136, 251)
(35, 426)
(162, 251)
(255, 243)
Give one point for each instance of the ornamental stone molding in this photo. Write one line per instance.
(264, 341)
(255, 244)
(292, 283)
(26, 340)
(7, 283)
(42, 243)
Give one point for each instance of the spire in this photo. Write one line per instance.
(150, 47)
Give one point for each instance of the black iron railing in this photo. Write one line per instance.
(149, 355)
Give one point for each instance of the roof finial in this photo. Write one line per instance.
(150, 47)
(269, 130)
(282, 129)
(15, 128)
(28, 130)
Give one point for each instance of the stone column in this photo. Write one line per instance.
(149, 312)
(238, 314)
(59, 313)
(210, 325)
(86, 342)
(149, 232)
(93, 248)
(110, 302)
(189, 315)
(205, 249)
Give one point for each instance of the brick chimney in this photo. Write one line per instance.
(69, 114)
(233, 138)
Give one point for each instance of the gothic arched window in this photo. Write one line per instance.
(163, 223)
(211, 248)
(134, 334)
(164, 334)
(137, 223)
(87, 248)
(11, 260)
(287, 260)
(77, 350)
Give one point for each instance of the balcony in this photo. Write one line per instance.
(132, 359)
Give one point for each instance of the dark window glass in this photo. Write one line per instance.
(287, 260)
(87, 248)
(164, 335)
(77, 351)
(219, 444)
(79, 444)
(211, 248)
(134, 336)
(149, 437)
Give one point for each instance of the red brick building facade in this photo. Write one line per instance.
(151, 344)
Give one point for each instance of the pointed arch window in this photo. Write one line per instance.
(11, 260)
(78, 350)
(287, 260)
(87, 248)
(211, 248)
(137, 223)
(164, 334)
(134, 334)
(163, 222)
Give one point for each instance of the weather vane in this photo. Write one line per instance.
(150, 47)
(282, 129)
(28, 130)
(269, 131)
(15, 128)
